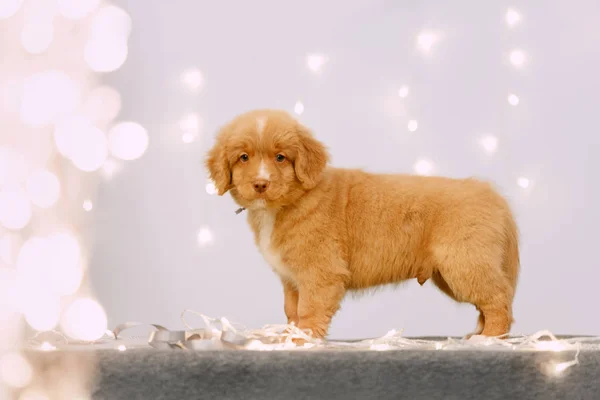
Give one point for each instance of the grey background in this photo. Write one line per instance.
(146, 262)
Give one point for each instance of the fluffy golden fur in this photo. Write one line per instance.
(326, 231)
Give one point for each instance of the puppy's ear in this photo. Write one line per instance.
(217, 164)
(311, 159)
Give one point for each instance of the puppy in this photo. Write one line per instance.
(326, 231)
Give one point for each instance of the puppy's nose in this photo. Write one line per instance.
(261, 185)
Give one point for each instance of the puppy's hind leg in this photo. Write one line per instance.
(443, 286)
(474, 275)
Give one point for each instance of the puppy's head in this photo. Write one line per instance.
(265, 158)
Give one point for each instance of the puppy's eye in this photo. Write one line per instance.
(280, 158)
(244, 157)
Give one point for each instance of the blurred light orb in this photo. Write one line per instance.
(110, 168)
(110, 21)
(523, 182)
(426, 40)
(88, 149)
(15, 370)
(32, 394)
(43, 188)
(37, 37)
(512, 17)
(211, 188)
(188, 137)
(190, 123)
(128, 140)
(64, 271)
(77, 9)
(299, 108)
(315, 62)
(65, 131)
(513, 100)
(15, 209)
(192, 79)
(84, 319)
(41, 311)
(8, 8)
(88, 205)
(105, 54)
(423, 167)
(413, 125)
(121, 348)
(403, 92)
(13, 166)
(517, 58)
(10, 244)
(48, 95)
(204, 236)
(103, 104)
(489, 143)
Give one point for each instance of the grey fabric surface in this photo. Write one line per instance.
(405, 374)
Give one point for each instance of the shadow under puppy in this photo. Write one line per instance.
(327, 230)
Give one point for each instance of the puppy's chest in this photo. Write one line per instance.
(265, 226)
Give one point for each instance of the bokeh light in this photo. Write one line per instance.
(512, 17)
(299, 108)
(41, 310)
(111, 22)
(192, 79)
(517, 58)
(77, 9)
(426, 41)
(13, 167)
(190, 123)
(403, 92)
(423, 167)
(48, 95)
(88, 148)
(523, 182)
(211, 188)
(84, 319)
(204, 236)
(489, 143)
(412, 125)
(15, 209)
(128, 140)
(105, 54)
(15, 370)
(43, 188)
(188, 137)
(8, 8)
(513, 100)
(110, 168)
(103, 104)
(315, 62)
(37, 37)
(10, 243)
(88, 205)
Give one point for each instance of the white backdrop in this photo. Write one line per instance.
(148, 264)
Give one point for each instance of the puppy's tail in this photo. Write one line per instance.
(511, 264)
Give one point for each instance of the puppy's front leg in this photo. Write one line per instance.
(317, 304)
(290, 302)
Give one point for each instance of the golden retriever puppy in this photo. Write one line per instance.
(326, 231)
